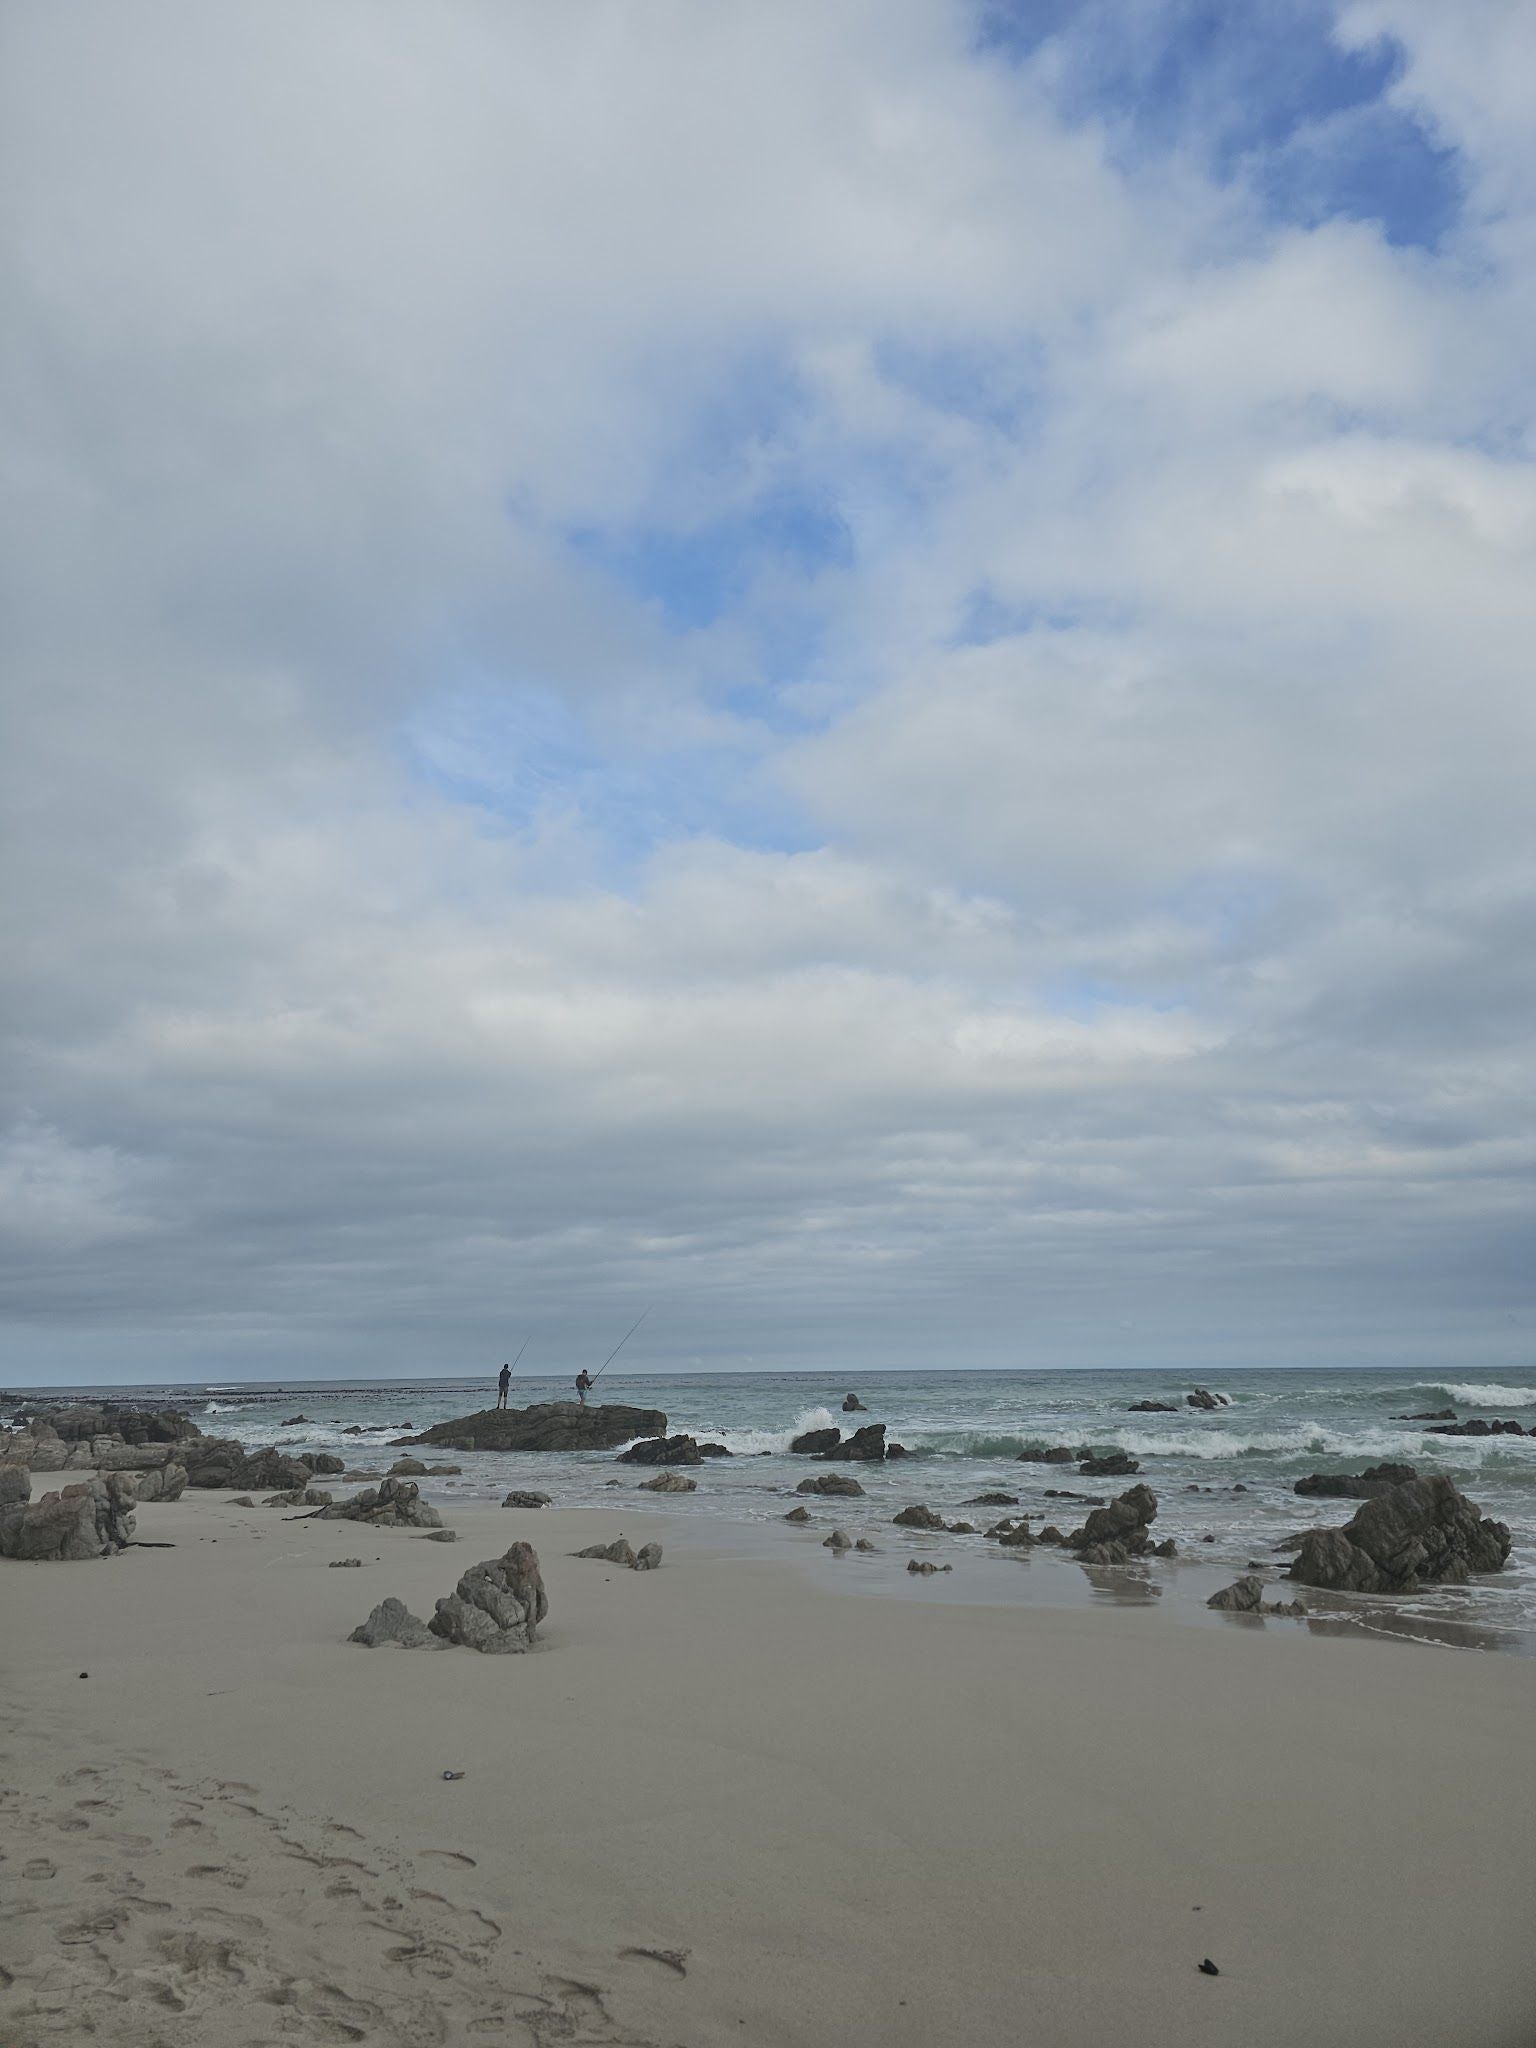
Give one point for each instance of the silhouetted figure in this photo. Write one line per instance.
(503, 1381)
(583, 1381)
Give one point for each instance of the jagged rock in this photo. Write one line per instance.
(392, 1625)
(815, 1442)
(991, 1500)
(1202, 1397)
(1152, 1408)
(497, 1605)
(407, 1468)
(852, 1405)
(662, 1450)
(160, 1483)
(129, 1425)
(798, 1515)
(668, 1482)
(1476, 1428)
(918, 1517)
(1425, 1532)
(648, 1558)
(293, 1421)
(864, 1543)
(392, 1504)
(617, 1552)
(1355, 1485)
(354, 1429)
(1016, 1536)
(345, 1564)
(1428, 1415)
(925, 1566)
(1117, 1532)
(838, 1540)
(1058, 1454)
(1167, 1548)
(718, 1451)
(1109, 1465)
(1050, 1534)
(831, 1482)
(1243, 1596)
(550, 1426)
(1000, 1529)
(91, 1519)
(322, 1463)
(866, 1445)
(215, 1461)
(298, 1497)
(527, 1500)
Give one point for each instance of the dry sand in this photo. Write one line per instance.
(725, 1804)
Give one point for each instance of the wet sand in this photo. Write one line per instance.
(724, 1802)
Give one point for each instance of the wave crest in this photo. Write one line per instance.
(1479, 1394)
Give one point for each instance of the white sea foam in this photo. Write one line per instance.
(1475, 1394)
(748, 1443)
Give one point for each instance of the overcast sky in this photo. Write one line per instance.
(861, 668)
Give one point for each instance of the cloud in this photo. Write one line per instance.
(806, 660)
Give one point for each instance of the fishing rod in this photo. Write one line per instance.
(613, 1354)
(520, 1350)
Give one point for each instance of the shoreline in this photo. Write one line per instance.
(845, 1818)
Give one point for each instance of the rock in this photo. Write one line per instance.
(1016, 1536)
(816, 1442)
(345, 1564)
(1057, 1455)
(865, 1544)
(1117, 1532)
(1207, 1539)
(1152, 1408)
(831, 1482)
(242, 1501)
(1476, 1428)
(161, 1483)
(1109, 1465)
(1092, 1500)
(497, 1605)
(1428, 1415)
(897, 1451)
(962, 1528)
(15, 1485)
(439, 1536)
(1425, 1532)
(75, 1424)
(1239, 1487)
(918, 1517)
(668, 1482)
(852, 1405)
(354, 1429)
(298, 1497)
(925, 1566)
(551, 1426)
(866, 1445)
(527, 1500)
(838, 1540)
(798, 1515)
(293, 1422)
(214, 1461)
(1050, 1534)
(662, 1450)
(718, 1451)
(992, 1500)
(1167, 1548)
(91, 1519)
(407, 1468)
(392, 1504)
(1355, 1485)
(392, 1625)
(1243, 1596)
(648, 1558)
(1202, 1397)
(617, 1552)
(444, 1471)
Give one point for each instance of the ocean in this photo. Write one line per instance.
(1226, 1476)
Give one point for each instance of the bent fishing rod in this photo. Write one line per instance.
(613, 1354)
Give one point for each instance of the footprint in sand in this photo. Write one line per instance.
(453, 1856)
(39, 1868)
(219, 1873)
(675, 1959)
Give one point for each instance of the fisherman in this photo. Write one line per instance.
(503, 1381)
(583, 1382)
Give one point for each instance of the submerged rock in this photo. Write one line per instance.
(1425, 1532)
(1058, 1454)
(497, 1605)
(852, 1405)
(392, 1504)
(1477, 1428)
(926, 1565)
(838, 1540)
(1109, 1465)
(392, 1625)
(918, 1517)
(991, 1500)
(1355, 1485)
(864, 1543)
(91, 1519)
(831, 1482)
(550, 1426)
(1427, 1415)
(668, 1482)
(798, 1515)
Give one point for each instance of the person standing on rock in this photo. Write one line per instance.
(583, 1382)
(503, 1381)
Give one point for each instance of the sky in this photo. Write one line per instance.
(860, 669)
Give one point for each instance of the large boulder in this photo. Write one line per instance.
(1425, 1532)
(662, 1450)
(392, 1504)
(1355, 1485)
(816, 1443)
(552, 1426)
(92, 1519)
(391, 1625)
(866, 1445)
(220, 1462)
(497, 1606)
(1117, 1532)
(831, 1482)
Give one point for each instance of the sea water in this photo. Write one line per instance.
(1226, 1475)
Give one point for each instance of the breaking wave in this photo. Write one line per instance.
(1475, 1394)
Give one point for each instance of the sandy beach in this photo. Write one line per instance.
(723, 1803)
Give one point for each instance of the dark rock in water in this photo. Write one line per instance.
(715, 1451)
(293, 1422)
(407, 1468)
(1152, 1408)
(669, 1482)
(925, 1566)
(526, 1500)
(798, 1515)
(392, 1504)
(991, 1500)
(322, 1462)
(897, 1451)
(662, 1450)
(1355, 1485)
(1109, 1465)
(1167, 1548)
(91, 1519)
(392, 1625)
(1423, 1533)
(1017, 1536)
(852, 1405)
(838, 1540)
(1050, 1534)
(1092, 1500)
(831, 1482)
(552, 1426)
(497, 1605)
(354, 1429)
(866, 1445)
(815, 1442)
(1243, 1596)
(1202, 1397)
(961, 1528)
(1058, 1454)
(1115, 1533)
(1476, 1428)
(918, 1517)
(864, 1543)
(1428, 1415)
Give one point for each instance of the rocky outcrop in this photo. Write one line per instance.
(391, 1625)
(1477, 1428)
(866, 1445)
(668, 1482)
(128, 1425)
(1202, 1397)
(831, 1482)
(551, 1426)
(816, 1442)
(526, 1500)
(91, 1519)
(662, 1450)
(918, 1517)
(852, 1405)
(1152, 1408)
(1115, 1533)
(1428, 1415)
(392, 1504)
(220, 1461)
(1423, 1533)
(1355, 1485)
(1109, 1465)
(497, 1605)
